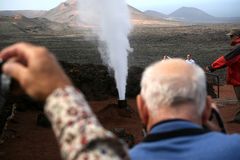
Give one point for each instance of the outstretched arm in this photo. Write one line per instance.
(217, 64)
(77, 129)
(227, 60)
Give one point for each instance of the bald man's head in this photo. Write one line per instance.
(173, 67)
(173, 82)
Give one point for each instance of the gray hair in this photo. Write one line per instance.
(169, 90)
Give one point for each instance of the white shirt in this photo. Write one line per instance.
(190, 61)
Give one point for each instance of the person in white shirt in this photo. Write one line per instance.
(189, 59)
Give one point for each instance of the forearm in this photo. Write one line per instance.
(77, 130)
(217, 64)
(227, 60)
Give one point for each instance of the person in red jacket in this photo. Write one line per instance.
(232, 62)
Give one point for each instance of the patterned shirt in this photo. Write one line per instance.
(79, 133)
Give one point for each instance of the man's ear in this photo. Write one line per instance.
(142, 109)
(207, 110)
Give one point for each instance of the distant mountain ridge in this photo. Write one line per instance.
(21, 24)
(155, 14)
(193, 15)
(67, 13)
(26, 13)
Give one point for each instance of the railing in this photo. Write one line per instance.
(216, 77)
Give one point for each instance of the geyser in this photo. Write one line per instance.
(110, 21)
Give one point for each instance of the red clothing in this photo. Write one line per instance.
(232, 62)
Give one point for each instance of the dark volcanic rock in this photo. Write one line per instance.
(133, 81)
(93, 80)
(96, 83)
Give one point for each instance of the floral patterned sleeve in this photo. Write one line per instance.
(77, 129)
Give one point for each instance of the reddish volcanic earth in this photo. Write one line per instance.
(24, 140)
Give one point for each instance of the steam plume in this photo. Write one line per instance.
(109, 20)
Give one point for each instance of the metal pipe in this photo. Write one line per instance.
(122, 103)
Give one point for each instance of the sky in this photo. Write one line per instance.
(219, 8)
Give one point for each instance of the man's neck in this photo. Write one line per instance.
(165, 115)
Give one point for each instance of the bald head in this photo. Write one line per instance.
(173, 82)
(171, 67)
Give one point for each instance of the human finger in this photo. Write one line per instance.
(15, 70)
(16, 50)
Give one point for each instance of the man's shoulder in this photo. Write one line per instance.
(237, 49)
(210, 139)
(224, 145)
(224, 140)
(211, 145)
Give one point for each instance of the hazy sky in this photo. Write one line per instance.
(220, 8)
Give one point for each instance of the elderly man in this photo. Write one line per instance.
(174, 106)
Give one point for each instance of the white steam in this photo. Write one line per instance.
(110, 21)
